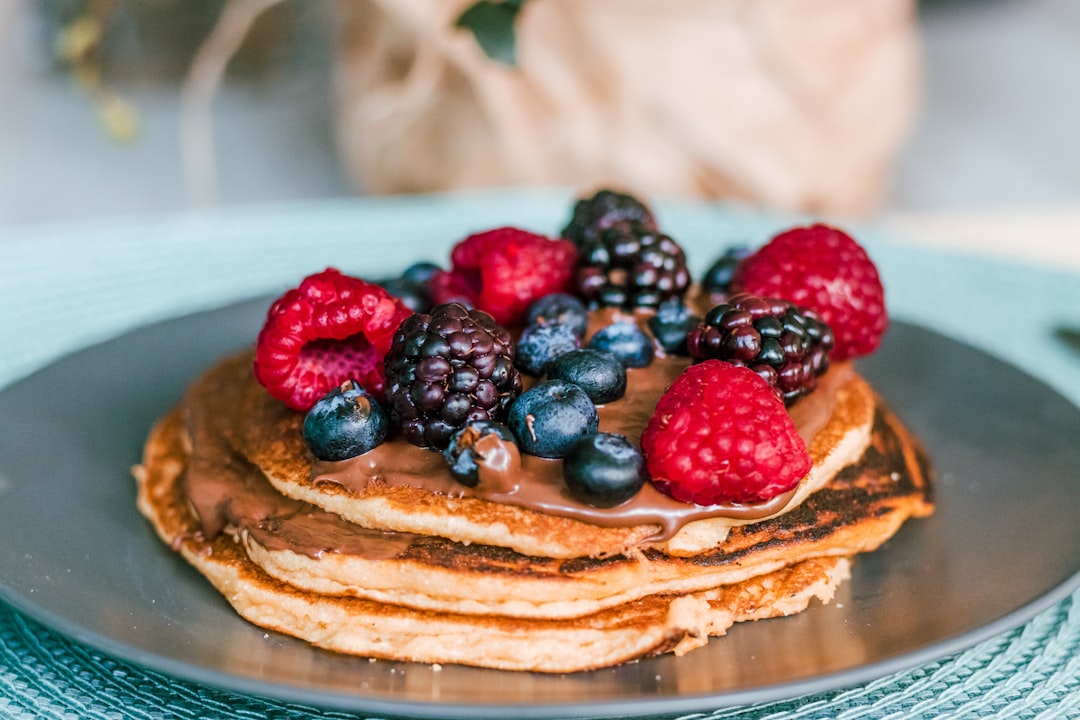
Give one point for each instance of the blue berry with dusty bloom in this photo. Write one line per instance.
(626, 341)
(561, 309)
(550, 417)
(597, 372)
(604, 470)
(671, 324)
(344, 423)
(473, 446)
(540, 344)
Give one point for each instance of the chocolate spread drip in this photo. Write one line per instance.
(229, 493)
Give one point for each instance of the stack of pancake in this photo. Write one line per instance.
(380, 556)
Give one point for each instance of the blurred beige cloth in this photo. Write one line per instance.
(787, 104)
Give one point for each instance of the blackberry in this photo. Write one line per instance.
(606, 208)
(631, 266)
(448, 368)
(786, 345)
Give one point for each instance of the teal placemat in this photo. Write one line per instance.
(66, 287)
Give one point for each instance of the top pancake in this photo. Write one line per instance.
(229, 407)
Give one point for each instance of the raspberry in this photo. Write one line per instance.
(603, 210)
(329, 329)
(502, 271)
(823, 269)
(785, 345)
(631, 266)
(720, 434)
(447, 369)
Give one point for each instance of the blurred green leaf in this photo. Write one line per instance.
(492, 24)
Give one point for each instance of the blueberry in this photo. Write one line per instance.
(420, 273)
(559, 308)
(626, 341)
(671, 324)
(466, 452)
(344, 423)
(549, 417)
(604, 470)
(540, 344)
(411, 287)
(717, 278)
(597, 372)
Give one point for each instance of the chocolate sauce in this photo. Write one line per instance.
(537, 484)
(227, 492)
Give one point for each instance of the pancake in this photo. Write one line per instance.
(836, 420)
(641, 628)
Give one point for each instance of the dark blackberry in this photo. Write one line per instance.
(603, 210)
(448, 368)
(717, 279)
(786, 345)
(631, 266)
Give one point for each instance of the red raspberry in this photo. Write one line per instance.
(720, 434)
(502, 271)
(330, 329)
(823, 269)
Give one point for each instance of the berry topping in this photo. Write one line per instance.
(330, 329)
(631, 266)
(550, 417)
(604, 470)
(481, 443)
(605, 209)
(539, 345)
(446, 369)
(503, 271)
(720, 434)
(670, 325)
(411, 287)
(344, 423)
(717, 279)
(823, 269)
(626, 341)
(788, 347)
(559, 308)
(597, 372)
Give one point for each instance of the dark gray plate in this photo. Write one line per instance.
(1003, 545)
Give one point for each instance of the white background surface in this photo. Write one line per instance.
(998, 126)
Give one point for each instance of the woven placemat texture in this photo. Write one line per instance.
(80, 284)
